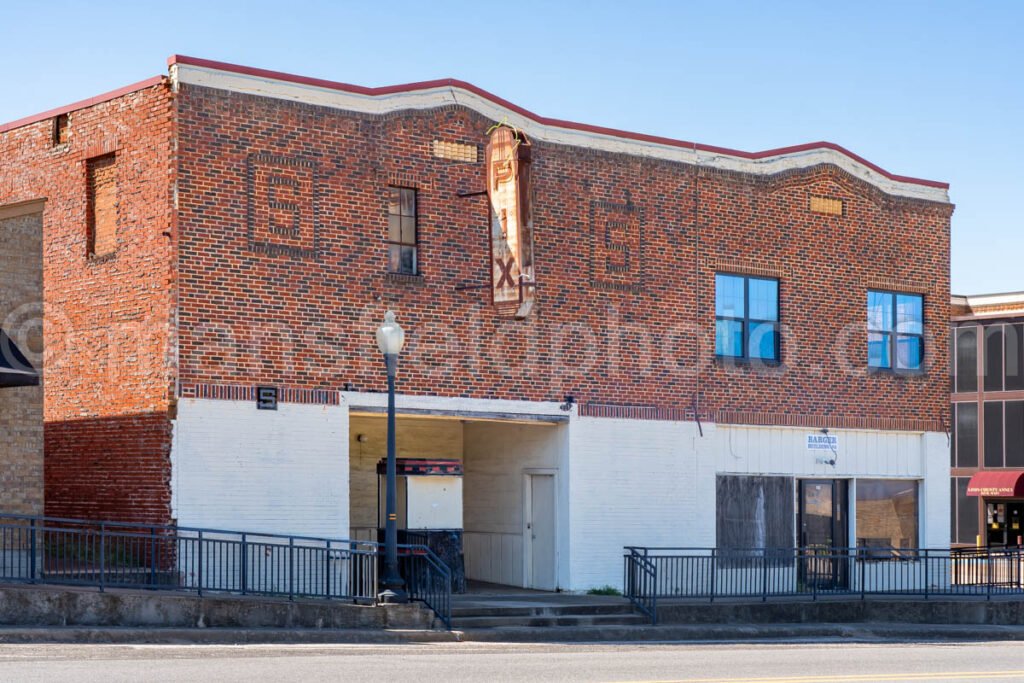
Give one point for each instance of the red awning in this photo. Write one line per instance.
(997, 483)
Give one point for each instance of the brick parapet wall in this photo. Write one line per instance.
(306, 318)
(301, 316)
(106, 320)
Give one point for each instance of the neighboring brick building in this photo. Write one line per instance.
(987, 440)
(21, 396)
(227, 228)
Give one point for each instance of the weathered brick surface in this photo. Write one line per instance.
(273, 271)
(21, 408)
(641, 333)
(107, 319)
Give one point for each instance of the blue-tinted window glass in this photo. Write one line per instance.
(909, 314)
(729, 300)
(764, 299)
(880, 311)
(729, 338)
(908, 353)
(878, 350)
(762, 341)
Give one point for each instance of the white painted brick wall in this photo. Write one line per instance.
(283, 471)
(633, 482)
(653, 483)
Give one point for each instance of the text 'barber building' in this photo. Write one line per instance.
(611, 339)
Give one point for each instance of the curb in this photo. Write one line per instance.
(220, 636)
(867, 632)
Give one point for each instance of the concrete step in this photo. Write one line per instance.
(571, 620)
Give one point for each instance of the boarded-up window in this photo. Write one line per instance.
(60, 129)
(102, 205)
(755, 518)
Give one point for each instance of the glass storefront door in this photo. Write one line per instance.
(1004, 522)
(824, 533)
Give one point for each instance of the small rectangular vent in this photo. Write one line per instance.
(832, 207)
(456, 151)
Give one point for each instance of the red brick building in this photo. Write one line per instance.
(987, 449)
(695, 319)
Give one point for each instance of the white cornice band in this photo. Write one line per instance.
(433, 97)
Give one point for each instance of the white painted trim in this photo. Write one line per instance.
(485, 406)
(1008, 298)
(433, 97)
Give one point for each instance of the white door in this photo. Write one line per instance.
(540, 531)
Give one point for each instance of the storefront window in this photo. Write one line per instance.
(755, 518)
(887, 517)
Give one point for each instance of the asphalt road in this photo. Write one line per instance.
(740, 663)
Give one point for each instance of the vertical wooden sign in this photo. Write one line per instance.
(508, 192)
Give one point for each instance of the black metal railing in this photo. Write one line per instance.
(128, 555)
(653, 574)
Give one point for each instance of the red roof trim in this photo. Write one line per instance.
(105, 97)
(571, 125)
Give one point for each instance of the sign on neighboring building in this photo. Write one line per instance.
(508, 192)
(822, 442)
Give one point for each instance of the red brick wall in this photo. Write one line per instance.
(107, 319)
(259, 309)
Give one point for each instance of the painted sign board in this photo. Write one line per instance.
(822, 442)
(508, 193)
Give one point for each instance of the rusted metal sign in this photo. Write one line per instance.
(508, 192)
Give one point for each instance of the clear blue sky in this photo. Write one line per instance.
(927, 89)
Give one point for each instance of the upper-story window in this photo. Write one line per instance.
(965, 359)
(895, 330)
(746, 317)
(402, 257)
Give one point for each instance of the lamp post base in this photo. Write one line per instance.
(392, 597)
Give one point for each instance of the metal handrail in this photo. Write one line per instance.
(108, 554)
(657, 573)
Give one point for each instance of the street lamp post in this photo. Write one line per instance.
(390, 338)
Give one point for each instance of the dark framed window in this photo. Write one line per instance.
(966, 420)
(402, 237)
(994, 358)
(1014, 421)
(963, 512)
(1013, 357)
(993, 427)
(966, 371)
(895, 331)
(746, 317)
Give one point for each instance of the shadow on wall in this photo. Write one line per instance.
(114, 468)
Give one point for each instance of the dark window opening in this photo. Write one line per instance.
(993, 427)
(967, 434)
(746, 317)
(895, 331)
(967, 359)
(402, 237)
(60, 129)
(1015, 434)
(1013, 357)
(994, 358)
(963, 513)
